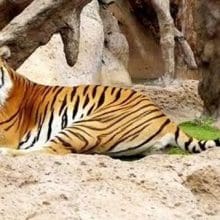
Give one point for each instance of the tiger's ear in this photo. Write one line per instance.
(5, 52)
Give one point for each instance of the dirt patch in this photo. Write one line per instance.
(205, 185)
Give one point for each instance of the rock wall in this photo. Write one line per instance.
(209, 88)
(145, 59)
(180, 100)
(95, 63)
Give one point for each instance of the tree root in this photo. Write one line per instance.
(37, 23)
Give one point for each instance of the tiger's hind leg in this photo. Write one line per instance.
(161, 144)
(72, 139)
(49, 148)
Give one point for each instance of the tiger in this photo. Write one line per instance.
(84, 119)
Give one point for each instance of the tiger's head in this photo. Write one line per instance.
(6, 83)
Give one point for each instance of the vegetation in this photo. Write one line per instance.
(201, 129)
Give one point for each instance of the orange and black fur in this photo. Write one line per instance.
(83, 119)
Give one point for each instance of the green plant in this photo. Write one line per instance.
(201, 130)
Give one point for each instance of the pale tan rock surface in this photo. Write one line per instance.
(85, 187)
(180, 100)
(96, 64)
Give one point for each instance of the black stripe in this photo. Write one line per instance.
(113, 89)
(25, 140)
(38, 113)
(90, 110)
(155, 134)
(53, 141)
(134, 134)
(202, 145)
(50, 125)
(102, 97)
(94, 91)
(217, 142)
(194, 150)
(77, 128)
(33, 142)
(2, 76)
(55, 97)
(41, 124)
(76, 106)
(64, 134)
(177, 135)
(139, 125)
(123, 116)
(73, 93)
(86, 101)
(64, 119)
(81, 137)
(186, 145)
(125, 101)
(12, 117)
(52, 149)
(45, 92)
(63, 105)
(118, 94)
(115, 122)
(64, 143)
(38, 107)
(28, 112)
(54, 88)
(21, 116)
(119, 107)
(129, 97)
(85, 90)
(146, 141)
(128, 135)
(12, 124)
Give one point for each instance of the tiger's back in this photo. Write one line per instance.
(83, 119)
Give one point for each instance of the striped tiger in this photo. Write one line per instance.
(90, 119)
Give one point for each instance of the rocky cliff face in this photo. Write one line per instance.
(98, 187)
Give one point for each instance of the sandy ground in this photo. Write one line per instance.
(98, 187)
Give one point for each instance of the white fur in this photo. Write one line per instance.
(107, 1)
(56, 128)
(5, 89)
(5, 52)
(164, 141)
(157, 144)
